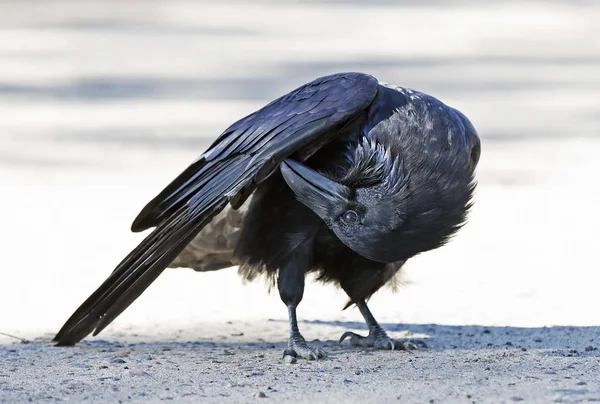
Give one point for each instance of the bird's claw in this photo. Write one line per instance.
(298, 348)
(373, 340)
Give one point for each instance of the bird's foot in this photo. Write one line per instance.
(378, 339)
(298, 348)
(410, 345)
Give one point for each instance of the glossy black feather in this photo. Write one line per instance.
(399, 161)
(308, 117)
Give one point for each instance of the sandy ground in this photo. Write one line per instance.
(103, 103)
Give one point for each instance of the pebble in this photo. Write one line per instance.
(261, 394)
(117, 360)
(81, 365)
(289, 359)
(139, 373)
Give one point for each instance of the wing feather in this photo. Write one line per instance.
(244, 155)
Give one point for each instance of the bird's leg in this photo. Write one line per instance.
(377, 337)
(297, 345)
(291, 290)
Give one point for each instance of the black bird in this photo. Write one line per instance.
(345, 176)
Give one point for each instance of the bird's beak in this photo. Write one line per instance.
(319, 193)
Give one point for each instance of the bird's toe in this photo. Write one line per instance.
(384, 343)
(377, 339)
(411, 345)
(357, 340)
(303, 350)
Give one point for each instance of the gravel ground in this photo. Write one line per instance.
(461, 364)
(103, 103)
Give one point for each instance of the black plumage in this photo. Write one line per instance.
(344, 176)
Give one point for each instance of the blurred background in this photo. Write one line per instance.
(102, 103)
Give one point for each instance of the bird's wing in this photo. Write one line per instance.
(243, 156)
(253, 147)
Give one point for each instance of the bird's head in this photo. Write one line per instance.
(389, 205)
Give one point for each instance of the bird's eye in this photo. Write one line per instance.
(350, 216)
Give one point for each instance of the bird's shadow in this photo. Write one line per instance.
(555, 340)
(566, 341)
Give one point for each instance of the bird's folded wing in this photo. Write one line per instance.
(305, 118)
(244, 155)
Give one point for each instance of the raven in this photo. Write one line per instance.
(346, 176)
